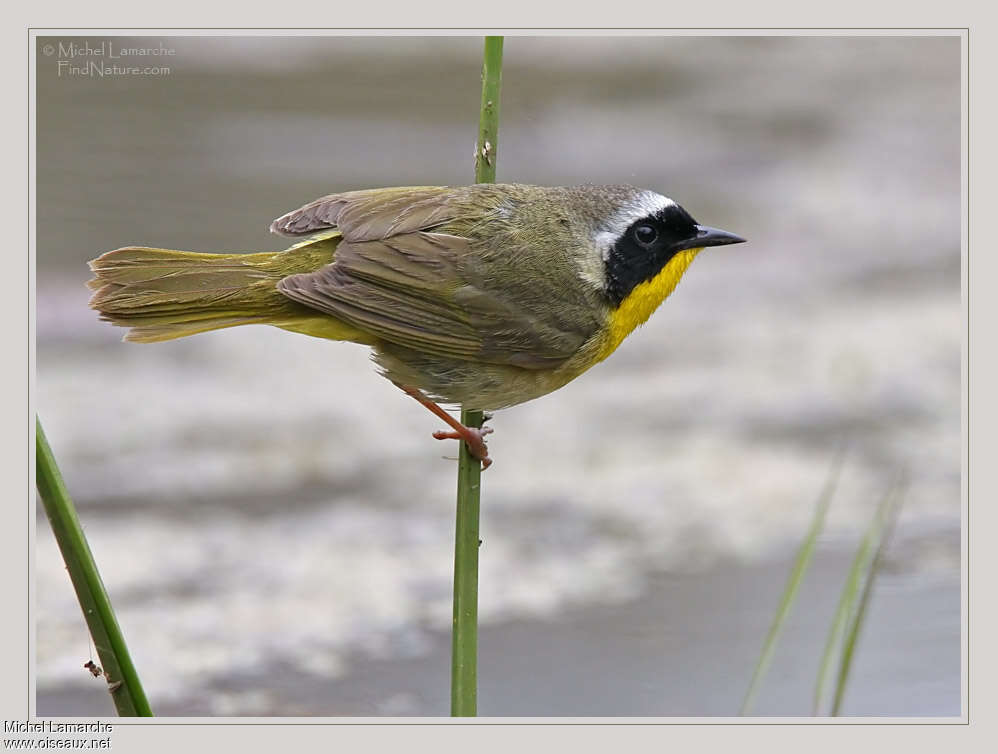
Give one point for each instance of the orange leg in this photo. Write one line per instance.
(473, 438)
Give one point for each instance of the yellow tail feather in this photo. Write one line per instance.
(162, 294)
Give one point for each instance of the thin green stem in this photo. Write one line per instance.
(883, 526)
(845, 608)
(801, 564)
(464, 647)
(488, 121)
(123, 681)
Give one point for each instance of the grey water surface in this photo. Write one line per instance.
(274, 522)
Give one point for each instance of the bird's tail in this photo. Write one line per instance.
(162, 294)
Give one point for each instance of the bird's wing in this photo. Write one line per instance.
(373, 214)
(418, 290)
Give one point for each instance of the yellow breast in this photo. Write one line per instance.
(643, 300)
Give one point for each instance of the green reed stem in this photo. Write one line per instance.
(464, 648)
(801, 564)
(879, 534)
(488, 121)
(846, 606)
(123, 680)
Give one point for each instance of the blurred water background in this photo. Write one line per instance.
(274, 522)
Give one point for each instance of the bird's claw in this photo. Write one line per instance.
(473, 438)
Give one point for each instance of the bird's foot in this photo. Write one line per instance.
(473, 438)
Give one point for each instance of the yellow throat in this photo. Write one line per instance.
(643, 300)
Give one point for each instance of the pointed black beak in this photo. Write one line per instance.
(707, 236)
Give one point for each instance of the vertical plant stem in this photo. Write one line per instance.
(800, 567)
(883, 527)
(488, 121)
(847, 603)
(126, 690)
(464, 648)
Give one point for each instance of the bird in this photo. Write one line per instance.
(484, 296)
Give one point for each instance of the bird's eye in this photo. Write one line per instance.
(645, 234)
